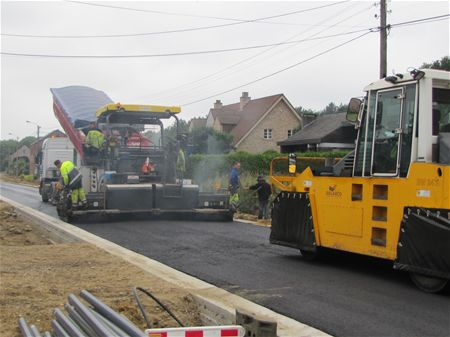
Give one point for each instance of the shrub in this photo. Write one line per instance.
(27, 177)
(201, 168)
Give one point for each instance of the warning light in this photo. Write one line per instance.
(292, 162)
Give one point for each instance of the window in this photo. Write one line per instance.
(441, 110)
(290, 132)
(387, 131)
(267, 133)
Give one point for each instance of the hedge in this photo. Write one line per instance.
(201, 167)
(211, 171)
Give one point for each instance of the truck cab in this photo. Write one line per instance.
(52, 149)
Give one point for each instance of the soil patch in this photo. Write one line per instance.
(37, 276)
(18, 180)
(253, 218)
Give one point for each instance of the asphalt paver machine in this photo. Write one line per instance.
(135, 170)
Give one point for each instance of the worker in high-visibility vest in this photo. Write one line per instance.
(71, 178)
(95, 139)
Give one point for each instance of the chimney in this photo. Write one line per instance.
(244, 100)
(218, 104)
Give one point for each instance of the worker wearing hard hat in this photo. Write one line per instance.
(71, 179)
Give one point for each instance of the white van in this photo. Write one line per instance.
(53, 148)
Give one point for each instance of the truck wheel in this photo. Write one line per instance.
(64, 215)
(310, 255)
(428, 284)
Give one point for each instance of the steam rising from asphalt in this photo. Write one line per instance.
(211, 168)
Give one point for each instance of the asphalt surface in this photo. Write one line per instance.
(342, 294)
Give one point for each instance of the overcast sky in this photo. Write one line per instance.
(323, 74)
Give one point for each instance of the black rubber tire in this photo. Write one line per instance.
(309, 255)
(428, 284)
(66, 216)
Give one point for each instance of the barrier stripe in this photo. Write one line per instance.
(206, 331)
(157, 334)
(229, 333)
(194, 333)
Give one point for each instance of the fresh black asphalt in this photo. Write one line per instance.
(341, 294)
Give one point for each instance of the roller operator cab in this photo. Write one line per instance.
(393, 200)
(132, 170)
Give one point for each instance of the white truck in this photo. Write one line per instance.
(53, 148)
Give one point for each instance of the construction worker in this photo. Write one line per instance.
(71, 179)
(94, 140)
(234, 184)
(264, 191)
(234, 178)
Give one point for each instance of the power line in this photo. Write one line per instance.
(368, 30)
(251, 57)
(170, 31)
(153, 11)
(186, 53)
(281, 70)
(419, 21)
(179, 14)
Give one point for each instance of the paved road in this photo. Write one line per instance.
(344, 294)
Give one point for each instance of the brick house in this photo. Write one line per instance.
(196, 123)
(256, 124)
(326, 133)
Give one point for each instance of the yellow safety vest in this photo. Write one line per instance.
(66, 167)
(95, 138)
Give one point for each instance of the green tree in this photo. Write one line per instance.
(27, 141)
(20, 167)
(302, 111)
(170, 133)
(7, 147)
(209, 141)
(332, 108)
(442, 64)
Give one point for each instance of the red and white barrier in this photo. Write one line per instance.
(203, 331)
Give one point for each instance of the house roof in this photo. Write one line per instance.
(197, 122)
(247, 118)
(54, 133)
(318, 129)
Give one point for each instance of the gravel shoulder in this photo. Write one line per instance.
(37, 275)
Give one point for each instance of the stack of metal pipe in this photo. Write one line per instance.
(94, 319)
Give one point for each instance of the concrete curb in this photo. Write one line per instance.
(216, 305)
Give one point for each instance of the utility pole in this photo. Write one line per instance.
(38, 127)
(383, 39)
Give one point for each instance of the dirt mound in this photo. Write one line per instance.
(37, 276)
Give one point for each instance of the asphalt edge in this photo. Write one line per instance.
(216, 305)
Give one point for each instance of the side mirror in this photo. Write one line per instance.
(353, 109)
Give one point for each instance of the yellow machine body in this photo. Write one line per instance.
(390, 197)
(136, 108)
(363, 215)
